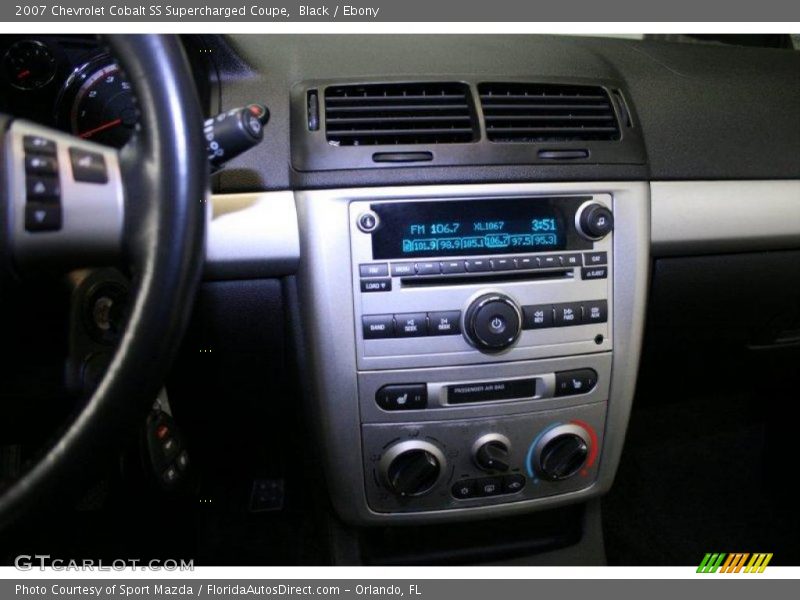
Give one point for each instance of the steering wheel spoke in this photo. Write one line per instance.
(65, 199)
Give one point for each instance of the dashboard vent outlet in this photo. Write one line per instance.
(394, 114)
(530, 112)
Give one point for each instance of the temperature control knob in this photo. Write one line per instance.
(492, 322)
(594, 221)
(412, 468)
(562, 452)
(491, 452)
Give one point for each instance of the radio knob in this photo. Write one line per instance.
(412, 468)
(492, 322)
(595, 221)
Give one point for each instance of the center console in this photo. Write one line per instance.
(473, 349)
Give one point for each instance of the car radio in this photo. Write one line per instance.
(449, 281)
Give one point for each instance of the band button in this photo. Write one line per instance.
(376, 327)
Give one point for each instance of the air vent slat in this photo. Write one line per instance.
(530, 113)
(549, 118)
(487, 98)
(393, 114)
(411, 132)
(394, 108)
(384, 98)
(532, 107)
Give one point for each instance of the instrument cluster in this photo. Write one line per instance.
(70, 82)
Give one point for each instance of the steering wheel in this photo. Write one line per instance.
(66, 202)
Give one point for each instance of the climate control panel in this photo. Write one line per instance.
(475, 462)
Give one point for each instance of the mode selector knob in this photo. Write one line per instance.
(594, 221)
(492, 322)
(492, 452)
(412, 468)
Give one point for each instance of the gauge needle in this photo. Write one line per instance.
(99, 128)
(23, 74)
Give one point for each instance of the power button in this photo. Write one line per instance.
(493, 322)
(368, 221)
(497, 324)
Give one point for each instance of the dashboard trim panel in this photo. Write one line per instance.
(706, 217)
(329, 346)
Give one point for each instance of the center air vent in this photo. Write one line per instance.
(393, 114)
(528, 112)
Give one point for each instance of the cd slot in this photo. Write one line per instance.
(471, 278)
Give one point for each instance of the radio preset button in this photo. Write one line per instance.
(376, 285)
(428, 268)
(444, 323)
(452, 266)
(594, 272)
(403, 270)
(567, 314)
(549, 262)
(377, 327)
(579, 381)
(411, 325)
(595, 311)
(412, 396)
(595, 258)
(537, 316)
(374, 270)
(527, 262)
(502, 264)
(478, 265)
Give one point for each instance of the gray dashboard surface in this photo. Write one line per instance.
(706, 111)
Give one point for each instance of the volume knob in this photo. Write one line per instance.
(492, 322)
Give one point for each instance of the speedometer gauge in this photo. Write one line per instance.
(97, 104)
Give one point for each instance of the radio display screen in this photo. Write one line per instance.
(474, 227)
